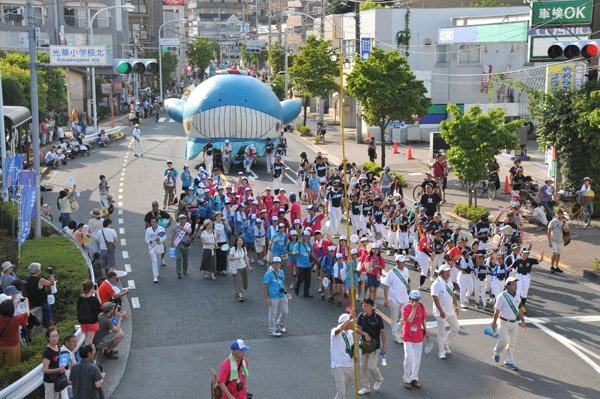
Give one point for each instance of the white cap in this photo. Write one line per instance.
(510, 280)
(376, 245)
(276, 259)
(444, 268)
(400, 258)
(331, 248)
(354, 251)
(344, 317)
(293, 233)
(339, 256)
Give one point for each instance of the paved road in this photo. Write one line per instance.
(182, 328)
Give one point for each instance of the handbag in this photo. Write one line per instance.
(110, 246)
(566, 236)
(60, 382)
(367, 346)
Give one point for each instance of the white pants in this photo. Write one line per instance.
(344, 378)
(423, 261)
(496, 286)
(368, 364)
(480, 295)
(155, 258)
(355, 220)
(465, 283)
(278, 311)
(523, 285)
(138, 147)
(226, 164)
(438, 260)
(335, 217)
(507, 339)
(396, 316)
(270, 161)
(363, 224)
(412, 361)
(50, 394)
(208, 163)
(247, 164)
(454, 275)
(393, 239)
(402, 237)
(488, 283)
(443, 337)
(377, 228)
(277, 182)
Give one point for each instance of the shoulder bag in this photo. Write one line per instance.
(364, 345)
(566, 235)
(110, 246)
(60, 382)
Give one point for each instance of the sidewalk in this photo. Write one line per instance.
(576, 257)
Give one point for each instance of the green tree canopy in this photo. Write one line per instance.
(387, 90)
(475, 138)
(370, 5)
(276, 58)
(278, 86)
(200, 52)
(313, 72)
(338, 7)
(169, 64)
(254, 60)
(12, 91)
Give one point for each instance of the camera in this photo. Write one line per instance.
(50, 270)
(283, 290)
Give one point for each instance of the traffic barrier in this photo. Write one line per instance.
(396, 147)
(506, 186)
(410, 154)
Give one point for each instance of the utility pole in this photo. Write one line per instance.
(280, 24)
(269, 16)
(357, 53)
(35, 118)
(2, 137)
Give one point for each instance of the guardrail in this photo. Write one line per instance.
(32, 380)
(92, 137)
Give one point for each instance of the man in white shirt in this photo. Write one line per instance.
(395, 291)
(138, 148)
(155, 238)
(445, 310)
(107, 256)
(510, 313)
(342, 355)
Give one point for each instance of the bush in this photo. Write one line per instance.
(378, 170)
(303, 130)
(596, 265)
(472, 212)
(70, 270)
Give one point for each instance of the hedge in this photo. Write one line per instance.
(472, 212)
(378, 170)
(303, 130)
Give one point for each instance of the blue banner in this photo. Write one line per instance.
(27, 178)
(27, 207)
(365, 47)
(13, 167)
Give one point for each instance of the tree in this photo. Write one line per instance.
(278, 86)
(338, 7)
(56, 82)
(169, 64)
(313, 72)
(12, 91)
(254, 60)
(370, 5)
(276, 58)
(387, 91)
(474, 139)
(201, 52)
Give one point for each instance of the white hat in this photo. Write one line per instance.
(339, 256)
(331, 248)
(510, 280)
(226, 140)
(400, 258)
(4, 297)
(364, 239)
(354, 251)
(375, 245)
(344, 317)
(343, 238)
(276, 259)
(444, 268)
(293, 233)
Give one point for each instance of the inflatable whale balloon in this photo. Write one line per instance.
(236, 107)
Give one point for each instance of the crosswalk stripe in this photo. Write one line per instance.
(161, 120)
(172, 120)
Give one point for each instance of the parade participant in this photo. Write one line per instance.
(376, 219)
(340, 270)
(523, 267)
(313, 220)
(374, 264)
(369, 325)
(281, 148)
(465, 279)
(445, 310)
(269, 154)
(397, 284)
(314, 183)
(481, 272)
(155, 238)
(238, 268)
(355, 212)
(208, 265)
(292, 254)
(277, 174)
(341, 342)
(260, 237)
(423, 257)
(414, 332)
(481, 231)
(239, 219)
(499, 274)
(186, 178)
(352, 269)
(511, 258)
(181, 240)
(326, 271)
(437, 252)
(248, 235)
(267, 199)
(226, 156)
(279, 242)
(295, 209)
(505, 309)
(334, 200)
(320, 245)
(221, 239)
(304, 260)
(558, 228)
(276, 297)
(342, 247)
(138, 147)
(249, 154)
(233, 374)
(208, 151)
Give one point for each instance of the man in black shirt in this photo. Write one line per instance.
(481, 272)
(481, 231)
(446, 230)
(270, 154)
(428, 180)
(376, 218)
(208, 156)
(278, 169)
(430, 201)
(86, 377)
(523, 267)
(334, 198)
(159, 214)
(355, 211)
(369, 325)
(321, 167)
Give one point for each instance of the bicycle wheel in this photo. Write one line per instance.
(418, 190)
(480, 189)
(491, 191)
(576, 215)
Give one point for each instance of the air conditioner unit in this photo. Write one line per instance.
(427, 41)
(44, 42)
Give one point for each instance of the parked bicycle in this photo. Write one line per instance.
(487, 187)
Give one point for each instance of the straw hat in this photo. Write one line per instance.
(96, 213)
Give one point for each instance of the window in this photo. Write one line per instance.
(348, 50)
(441, 54)
(141, 6)
(469, 54)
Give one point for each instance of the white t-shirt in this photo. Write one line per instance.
(440, 288)
(557, 226)
(504, 307)
(238, 261)
(339, 357)
(110, 235)
(340, 271)
(397, 289)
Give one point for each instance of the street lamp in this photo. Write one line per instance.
(127, 7)
(160, 53)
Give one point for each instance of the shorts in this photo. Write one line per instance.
(250, 246)
(93, 327)
(557, 247)
(106, 340)
(107, 260)
(372, 281)
(339, 281)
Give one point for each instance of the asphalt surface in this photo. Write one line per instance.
(182, 328)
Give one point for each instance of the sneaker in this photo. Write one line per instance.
(447, 349)
(559, 270)
(497, 358)
(552, 270)
(275, 334)
(511, 365)
(364, 391)
(377, 385)
(442, 355)
(463, 305)
(415, 384)
(110, 355)
(399, 341)
(281, 328)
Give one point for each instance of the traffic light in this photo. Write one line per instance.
(169, 48)
(584, 48)
(138, 66)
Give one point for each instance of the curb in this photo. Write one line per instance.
(592, 276)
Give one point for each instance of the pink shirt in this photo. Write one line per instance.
(224, 373)
(413, 332)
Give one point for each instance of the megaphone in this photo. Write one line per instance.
(490, 331)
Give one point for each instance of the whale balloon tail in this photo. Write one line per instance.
(291, 110)
(174, 108)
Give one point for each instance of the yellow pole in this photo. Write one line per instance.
(347, 205)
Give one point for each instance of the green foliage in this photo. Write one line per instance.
(473, 213)
(56, 82)
(276, 58)
(200, 52)
(387, 90)
(486, 3)
(278, 86)
(12, 91)
(303, 130)
(370, 5)
(254, 60)
(338, 7)
(313, 72)
(596, 265)
(474, 138)
(169, 64)
(378, 170)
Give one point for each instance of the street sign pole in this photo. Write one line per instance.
(2, 134)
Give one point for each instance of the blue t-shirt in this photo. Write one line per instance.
(248, 229)
(327, 265)
(314, 183)
(279, 246)
(274, 284)
(186, 179)
(292, 247)
(304, 251)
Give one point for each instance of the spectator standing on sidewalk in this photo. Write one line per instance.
(37, 294)
(557, 229)
(10, 340)
(88, 309)
(86, 378)
(138, 147)
(51, 368)
(371, 150)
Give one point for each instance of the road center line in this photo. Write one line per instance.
(121, 230)
(120, 211)
(120, 204)
(121, 189)
(120, 221)
(135, 302)
(125, 255)
(123, 242)
(127, 267)
(131, 284)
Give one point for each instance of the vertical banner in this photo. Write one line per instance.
(27, 178)
(27, 206)
(365, 47)
(560, 76)
(14, 164)
(486, 77)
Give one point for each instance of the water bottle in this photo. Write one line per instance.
(383, 359)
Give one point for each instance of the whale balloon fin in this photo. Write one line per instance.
(291, 110)
(174, 108)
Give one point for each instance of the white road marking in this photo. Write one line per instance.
(121, 184)
(254, 175)
(172, 120)
(293, 180)
(122, 174)
(415, 174)
(131, 284)
(123, 242)
(581, 347)
(125, 255)
(161, 120)
(122, 177)
(120, 221)
(119, 204)
(121, 230)
(120, 197)
(127, 267)
(135, 302)
(124, 169)
(120, 211)
(121, 189)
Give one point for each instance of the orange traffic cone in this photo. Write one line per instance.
(506, 186)
(410, 155)
(368, 135)
(396, 147)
